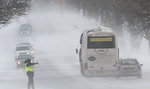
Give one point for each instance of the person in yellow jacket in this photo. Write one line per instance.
(30, 72)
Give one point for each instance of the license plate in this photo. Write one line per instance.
(129, 68)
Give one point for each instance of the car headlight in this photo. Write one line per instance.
(28, 53)
(18, 62)
(26, 12)
(91, 58)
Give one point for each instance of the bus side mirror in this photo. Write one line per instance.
(80, 41)
(81, 38)
(77, 51)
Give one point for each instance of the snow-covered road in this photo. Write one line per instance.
(55, 38)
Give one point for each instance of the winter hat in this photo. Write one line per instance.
(27, 61)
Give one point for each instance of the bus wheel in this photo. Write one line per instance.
(82, 72)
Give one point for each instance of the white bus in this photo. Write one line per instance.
(99, 52)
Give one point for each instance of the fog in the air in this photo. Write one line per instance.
(55, 36)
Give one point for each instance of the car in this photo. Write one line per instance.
(128, 67)
(25, 29)
(20, 59)
(21, 11)
(24, 48)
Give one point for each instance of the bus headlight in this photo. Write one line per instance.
(91, 58)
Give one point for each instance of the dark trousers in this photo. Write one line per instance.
(30, 79)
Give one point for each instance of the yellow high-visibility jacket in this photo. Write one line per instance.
(29, 69)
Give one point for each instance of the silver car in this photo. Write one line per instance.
(128, 68)
(24, 48)
(25, 29)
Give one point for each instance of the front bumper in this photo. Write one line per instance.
(128, 74)
(98, 73)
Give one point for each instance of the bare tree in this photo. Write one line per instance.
(10, 8)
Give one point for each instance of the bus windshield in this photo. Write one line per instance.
(101, 42)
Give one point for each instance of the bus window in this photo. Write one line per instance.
(101, 42)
